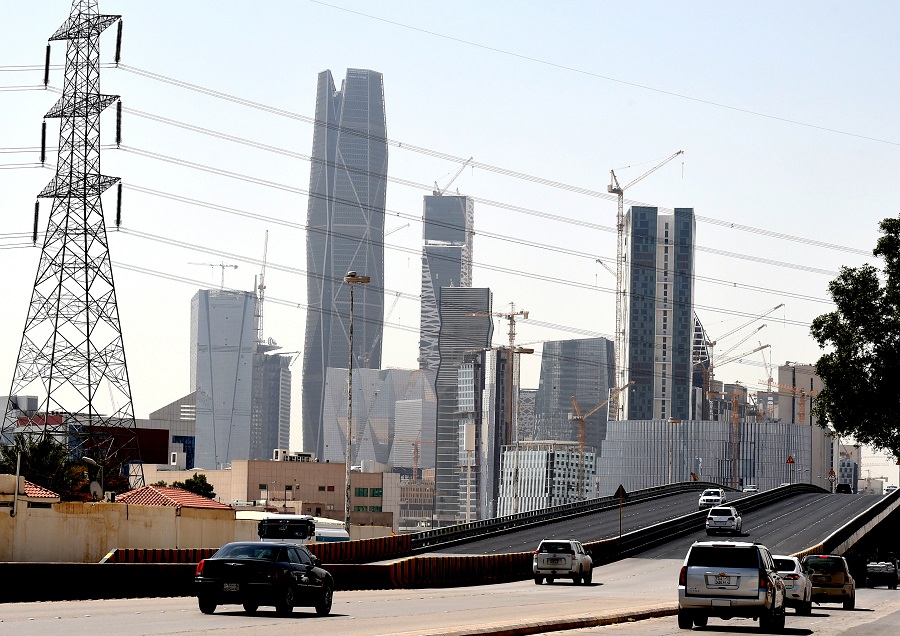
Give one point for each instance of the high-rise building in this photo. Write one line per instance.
(461, 332)
(582, 368)
(242, 390)
(447, 232)
(659, 308)
(345, 232)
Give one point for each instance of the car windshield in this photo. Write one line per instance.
(720, 512)
(723, 556)
(247, 551)
(827, 566)
(785, 565)
(556, 547)
(710, 493)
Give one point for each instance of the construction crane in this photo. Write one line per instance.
(222, 265)
(619, 190)
(438, 190)
(261, 292)
(581, 418)
(796, 392)
(396, 229)
(735, 438)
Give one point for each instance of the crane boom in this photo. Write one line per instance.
(615, 188)
(438, 191)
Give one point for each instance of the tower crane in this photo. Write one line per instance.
(581, 418)
(796, 392)
(617, 189)
(222, 265)
(438, 190)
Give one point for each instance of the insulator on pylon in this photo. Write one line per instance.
(119, 206)
(37, 207)
(43, 142)
(119, 122)
(118, 42)
(47, 67)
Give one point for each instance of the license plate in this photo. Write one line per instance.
(230, 587)
(554, 560)
(723, 580)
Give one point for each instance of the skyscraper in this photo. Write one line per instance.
(659, 307)
(582, 368)
(447, 232)
(345, 219)
(461, 333)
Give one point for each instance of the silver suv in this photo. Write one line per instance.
(728, 580)
(561, 558)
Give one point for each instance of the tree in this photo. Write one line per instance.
(862, 365)
(45, 462)
(159, 483)
(197, 485)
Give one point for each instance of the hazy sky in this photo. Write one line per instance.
(786, 113)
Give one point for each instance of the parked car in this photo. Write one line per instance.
(254, 573)
(711, 497)
(723, 519)
(561, 558)
(882, 571)
(797, 586)
(831, 580)
(728, 580)
(843, 489)
(750, 488)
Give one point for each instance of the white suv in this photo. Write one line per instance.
(723, 519)
(561, 558)
(711, 497)
(728, 580)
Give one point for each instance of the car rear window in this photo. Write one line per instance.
(723, 557)
(247, 551)
(720, 512)
(817, 564)
(557, 547)
(784, 565)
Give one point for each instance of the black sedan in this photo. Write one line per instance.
(259, 573)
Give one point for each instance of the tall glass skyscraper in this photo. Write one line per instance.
(659, 305)
(447, 233)
(345, 232)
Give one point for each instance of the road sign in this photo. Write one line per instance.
(831, 473)
(832, 478)
(620, 493)
(790, 459)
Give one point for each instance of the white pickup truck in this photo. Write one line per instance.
(562, 558)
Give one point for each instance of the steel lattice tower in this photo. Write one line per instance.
(72, 351)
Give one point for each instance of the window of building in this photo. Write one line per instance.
(361, 492)
(321, 488)
(374, 508)
(376, 492)
(330, 488)
(360, 509)
(264, 486)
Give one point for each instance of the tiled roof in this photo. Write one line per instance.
(167, 496)
(33, 490)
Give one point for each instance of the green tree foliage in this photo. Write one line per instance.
(160, 483)
(197, 485)
(862, 338)
(45, 462)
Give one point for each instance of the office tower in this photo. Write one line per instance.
(461, 332)
(242, 390)
(223, 342)
(447, 234)
(549, 472)
(582, 368)
(659, 308)
(345, 219)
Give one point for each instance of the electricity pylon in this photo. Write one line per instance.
(71, 354)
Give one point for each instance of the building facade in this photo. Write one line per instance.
(461, 333)
(659, 329)
(447, 235)
(581, 368)
(345, 232)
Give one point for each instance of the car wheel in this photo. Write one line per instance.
(550, 580)
(805, 608)
(576, 579)
(587, 577)
(538, 579)
(251, 608)
(207, 606)
(323, 608)
(286, 604)
(685, 620)
(850, 603)
(701, 620)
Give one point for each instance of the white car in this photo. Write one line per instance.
(723, 519)
(562, 558)
(797, 586)
(889, 489)
(711, 497)
(750, 488)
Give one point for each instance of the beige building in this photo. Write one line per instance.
(315, 488)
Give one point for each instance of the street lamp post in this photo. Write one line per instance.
(351, 279)
(93, 462)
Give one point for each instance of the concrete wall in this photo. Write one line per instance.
(85, 532)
